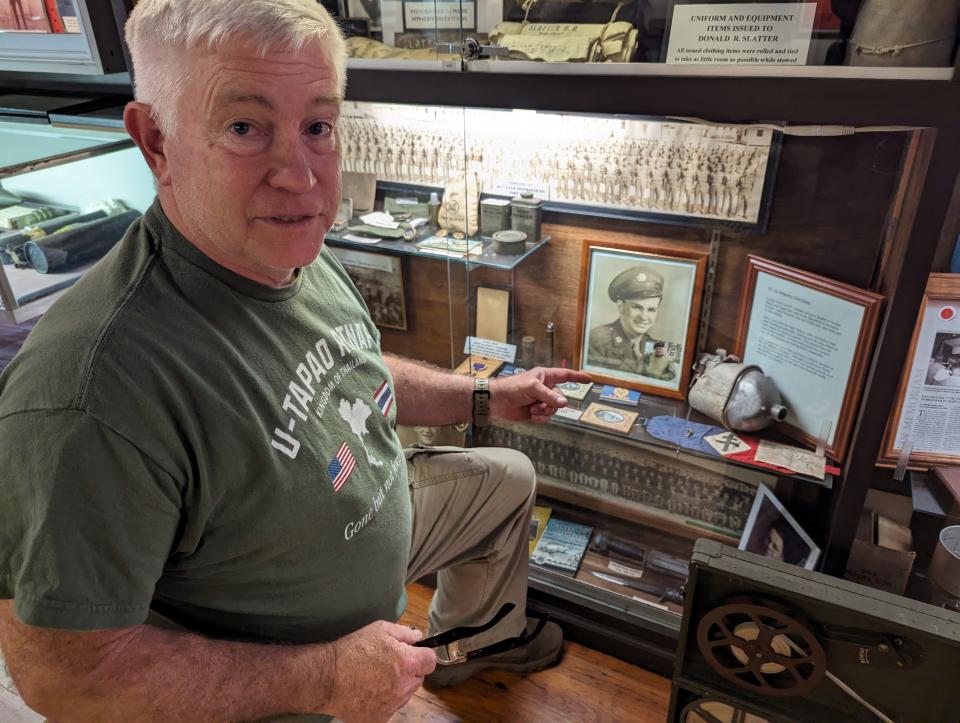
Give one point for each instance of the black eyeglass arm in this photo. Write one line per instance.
(454, 634)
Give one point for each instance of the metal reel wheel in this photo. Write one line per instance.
(708, 710)
(760, 646)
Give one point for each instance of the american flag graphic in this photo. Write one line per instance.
(341, 467)
(383, 397)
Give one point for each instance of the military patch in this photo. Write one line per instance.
(574, 390)
(619, 395)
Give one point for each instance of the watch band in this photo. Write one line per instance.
(481, 402)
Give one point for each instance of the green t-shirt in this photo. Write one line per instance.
(180, 439)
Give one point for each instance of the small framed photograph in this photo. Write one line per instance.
(813, 337)
(379, 279)
(600, 415)
(638, 315)
(772, 532)
(928, 398)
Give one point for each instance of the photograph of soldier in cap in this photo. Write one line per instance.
(639, 316)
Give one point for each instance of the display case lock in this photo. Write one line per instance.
(471, 49)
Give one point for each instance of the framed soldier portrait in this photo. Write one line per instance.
(638, 311)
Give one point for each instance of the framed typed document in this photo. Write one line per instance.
(638, 313)
(926, 412)
(812, 336)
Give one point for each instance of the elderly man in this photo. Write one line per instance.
(622, 344)
(206, 512)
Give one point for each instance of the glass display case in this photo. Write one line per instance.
(827, 38)
(670, 249)
(66, 193)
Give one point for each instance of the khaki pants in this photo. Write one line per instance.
(471, 525)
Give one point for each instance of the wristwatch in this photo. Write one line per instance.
(481, 402)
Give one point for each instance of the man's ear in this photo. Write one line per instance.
(145, 132)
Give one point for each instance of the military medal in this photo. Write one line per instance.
(478, 366)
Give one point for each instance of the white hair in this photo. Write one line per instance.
(160, 31)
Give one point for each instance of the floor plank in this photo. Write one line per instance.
(586, 686)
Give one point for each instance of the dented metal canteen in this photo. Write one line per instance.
(738, 395)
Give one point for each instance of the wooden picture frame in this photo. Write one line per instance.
(379, 279)
(938, 318)
(835, 321)
(614, 354)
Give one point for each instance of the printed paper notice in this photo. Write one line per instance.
(805, 341)
(439, 15)
(799, 460)
(931, 406)
(741, 34)
(490, 348)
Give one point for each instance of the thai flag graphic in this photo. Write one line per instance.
(341, 467)
(383, 397)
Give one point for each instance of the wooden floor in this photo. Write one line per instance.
(586, 686)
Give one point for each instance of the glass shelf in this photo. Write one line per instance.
(487, 257)
(789, 40)
(649, 545)
(28, 147)
(30, 288)
(650, 406)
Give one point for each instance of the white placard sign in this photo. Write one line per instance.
(741, 34)
(490, 349)
(439, 15)
(804, 340)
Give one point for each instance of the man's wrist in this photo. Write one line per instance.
(322, 661)
(481, 402)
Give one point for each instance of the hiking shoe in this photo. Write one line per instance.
(542, 652)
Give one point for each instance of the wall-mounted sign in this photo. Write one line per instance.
(741, 34)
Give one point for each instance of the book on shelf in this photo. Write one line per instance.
(562, 545)
(538, 522)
